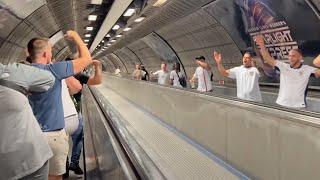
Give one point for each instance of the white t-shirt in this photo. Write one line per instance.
(68, 107)
(69, 110)
(117, 72)
(247, 82)
(174, 76)
(163, 77)
(293, 84)
(204, 83)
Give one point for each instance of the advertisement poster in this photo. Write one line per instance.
(285, 25)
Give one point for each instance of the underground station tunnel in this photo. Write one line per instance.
(160, 89)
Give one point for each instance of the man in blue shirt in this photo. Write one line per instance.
(47, 107)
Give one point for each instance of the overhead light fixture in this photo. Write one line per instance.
(108, 44)
(102, 41)
(119, 35)
(87, 35)
(129, 12)
(108, 35)
(115, 27)
(159, 3)
(113, 40)
(89, 28)
(86, 44)
(92, 17)
(139, 19)
(127, 29)
(96, 2)
(86, 40)
(99, 45)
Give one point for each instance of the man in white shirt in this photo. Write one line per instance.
(294, 77)
(176, 75)
(203, 75)
(70, 86)
(138, 73)
(162, 74)
(117, 72)
(246, 77)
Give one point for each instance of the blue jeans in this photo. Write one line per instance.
(77, 139)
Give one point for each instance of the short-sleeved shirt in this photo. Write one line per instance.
(163, 77)
(138, 74)
(175, 78)
(293, 84)
(23, 148)
(68, 107)
(247, 82)
(47, 107)
(204, 83)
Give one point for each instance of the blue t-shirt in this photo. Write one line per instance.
(47, 107)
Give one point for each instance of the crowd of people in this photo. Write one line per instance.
(294, 76)
(40, 115)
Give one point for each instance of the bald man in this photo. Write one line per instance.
(294, 77)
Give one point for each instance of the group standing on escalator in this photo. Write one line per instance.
(294, 76)
(35, 126)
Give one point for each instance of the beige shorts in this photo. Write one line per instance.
(59, 143)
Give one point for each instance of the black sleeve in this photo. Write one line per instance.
(82, 78)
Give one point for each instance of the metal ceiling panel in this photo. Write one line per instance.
(21, 35)
(42, 21)
(8, 21)
(22, 8)
(10, 53)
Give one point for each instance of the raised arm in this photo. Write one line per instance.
(84, 58)
(97, 77)
(264, 52)
(74, 85)
(316, 61)
(204, 65)
(218, 58)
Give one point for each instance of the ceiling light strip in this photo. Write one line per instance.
(116, 11)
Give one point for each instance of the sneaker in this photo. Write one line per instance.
(76, 169)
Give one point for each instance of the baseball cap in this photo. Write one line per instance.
(200, 57)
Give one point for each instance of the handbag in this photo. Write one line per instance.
(182, 81)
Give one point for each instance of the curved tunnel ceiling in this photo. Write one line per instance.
(22, 20)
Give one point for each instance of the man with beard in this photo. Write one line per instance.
(246, 77)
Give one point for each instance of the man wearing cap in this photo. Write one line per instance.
(247, 77)
(202, 75)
